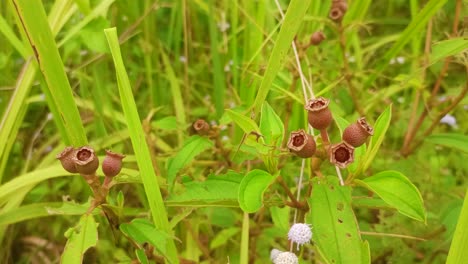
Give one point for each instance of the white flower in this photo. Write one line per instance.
(300, 234)
(286, 258)
(449, 120)
(274, 253)
(400, 59)
(183, 59)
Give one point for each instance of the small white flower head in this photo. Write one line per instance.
(274, 253)
(400, 59)
(449, 120)
(300, 234)
(286, 258)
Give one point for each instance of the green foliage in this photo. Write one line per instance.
(251, 190)
(397, 190)
(80, 238)
(232, 194)
(335, 228)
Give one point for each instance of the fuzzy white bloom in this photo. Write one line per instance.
(400, 59)
(286, 258)
(449, 120)
(274, 253)
(300, 234)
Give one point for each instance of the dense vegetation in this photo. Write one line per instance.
(206, 100)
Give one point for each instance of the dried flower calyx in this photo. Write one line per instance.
(66, 158)
(301, 144)
(342, 154)
(86, 161)
(319, 115)
(356, 134)
(338, 9)
(200, 127)
(112, 163)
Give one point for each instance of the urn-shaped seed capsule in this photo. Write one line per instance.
(112, 163)
(342, 154)
(301, 144)
(317, 38)
(338, 9)
(319, 115)
(86, 161)
(356, 134)
(66, 158)
(201, 127)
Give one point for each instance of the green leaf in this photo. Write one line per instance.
(292, 21)
(137, 137)
(371, 202)
(246, 124)
(251, 190)
(451, 140)
(397, 191)
(141, 256)
(271, 126)
(334, 225)
(221, 190)
(380, 128)
(192, 147)
(142, 230)
(459, 247)
(80, 238)
(58, 91)
(223, 236)
(448, 48)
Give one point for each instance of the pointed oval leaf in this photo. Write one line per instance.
(397, 191)
(142, 230)
(271, 126)
(334, 225)
(192, 147)
(251, 190)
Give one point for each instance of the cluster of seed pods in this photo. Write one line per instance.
(320, 118)
(84, 161)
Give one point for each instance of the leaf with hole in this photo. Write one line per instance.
(80, 238)
(334, 226)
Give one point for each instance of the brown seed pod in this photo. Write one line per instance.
(112, 163)
(317, 38)
(356, 134)
(66, 158)
(201, 127)
(319, 115)
(86, 161)
(301, 144)
(338, 9)
(342, 154)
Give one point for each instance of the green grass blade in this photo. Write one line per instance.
(416, 24)
(11, 37)
(137, 136)
(459, 246)
(292, 21)
(60, 97)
